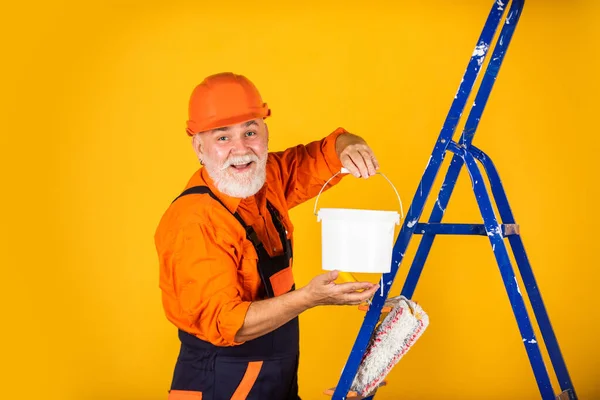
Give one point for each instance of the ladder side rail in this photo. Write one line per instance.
(527, 274)
(506, 271)
(491, 72)
(471, 125)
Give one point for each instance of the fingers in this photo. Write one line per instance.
(354, 286)
(359, 297)
(349, 164)
(331, 276)
(355, 293)
(322, 290)
(368, 162)
(359, 160)
(326, 278)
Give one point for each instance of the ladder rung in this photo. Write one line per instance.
(462, 229)
(352, 394)
(566, 395)
(365, 307)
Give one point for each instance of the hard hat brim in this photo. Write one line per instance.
(193, 128)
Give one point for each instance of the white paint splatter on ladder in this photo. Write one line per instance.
(479, 52)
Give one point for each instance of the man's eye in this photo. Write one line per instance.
(221, 138)
(250, 133)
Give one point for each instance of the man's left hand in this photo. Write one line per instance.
(356, 155)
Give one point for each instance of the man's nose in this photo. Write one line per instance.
(239, 147)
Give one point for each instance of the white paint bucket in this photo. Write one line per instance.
(355, 240)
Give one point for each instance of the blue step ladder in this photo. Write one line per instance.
(465, 153)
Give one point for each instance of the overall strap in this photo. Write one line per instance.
(250, 233)
(267, 266)
(276, 218)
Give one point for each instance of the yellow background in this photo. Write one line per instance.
(94, 101)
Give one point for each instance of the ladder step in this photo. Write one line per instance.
(384, 309)
(566, 395)
(462, 229)
(352, 394)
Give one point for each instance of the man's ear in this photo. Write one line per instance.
(197, 145)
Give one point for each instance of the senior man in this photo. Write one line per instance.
(225, 247)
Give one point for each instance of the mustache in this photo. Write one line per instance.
(238, 160)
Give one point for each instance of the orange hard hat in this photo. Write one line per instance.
(224, 99)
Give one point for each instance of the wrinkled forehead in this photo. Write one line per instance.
(237, 127)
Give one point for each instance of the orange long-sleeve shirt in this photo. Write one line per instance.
(208, 269)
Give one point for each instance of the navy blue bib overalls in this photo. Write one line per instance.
(264, 368)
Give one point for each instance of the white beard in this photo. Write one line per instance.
(240, 185)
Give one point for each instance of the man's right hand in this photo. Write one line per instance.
(322, 290)
(264, 316)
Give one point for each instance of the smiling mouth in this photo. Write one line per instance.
(242, 167)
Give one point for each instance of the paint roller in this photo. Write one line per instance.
(392, 339)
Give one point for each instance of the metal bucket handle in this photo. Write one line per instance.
(345, 171)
